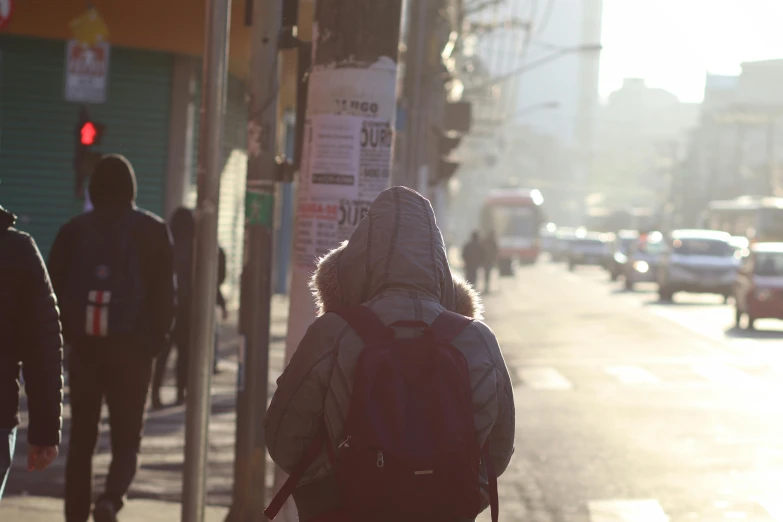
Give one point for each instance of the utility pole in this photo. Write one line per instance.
(351, 108)
(213, 103)
(250, 452)
(416, 144)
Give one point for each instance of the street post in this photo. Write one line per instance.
(351, 104)
(213, 102)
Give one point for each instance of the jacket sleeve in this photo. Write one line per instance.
(297, 407)
(58, 258)
(162, 288)
(501, 437)
(41, 349)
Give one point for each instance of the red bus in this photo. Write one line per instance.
(515, 216)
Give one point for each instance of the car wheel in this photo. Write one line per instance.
(628, 284)
(751, 322)
(665, 295)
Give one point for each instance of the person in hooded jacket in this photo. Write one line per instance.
(183, 229)
(30, 333)
(118, 369)
(395, 263)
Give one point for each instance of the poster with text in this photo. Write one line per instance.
(316, 231)
(334, 156)
(374, 158)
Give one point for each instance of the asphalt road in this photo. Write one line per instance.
(631, 410)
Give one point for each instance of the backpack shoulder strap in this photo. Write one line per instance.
(448, 325)
(492, 478)
(369, 327)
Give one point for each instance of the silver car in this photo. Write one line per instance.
(698, 261)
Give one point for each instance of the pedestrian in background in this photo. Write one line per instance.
(183, 230)
(490, 259)
(473, 258)
(113, 273)
(30, 337)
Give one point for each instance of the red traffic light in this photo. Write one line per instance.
(88, 133)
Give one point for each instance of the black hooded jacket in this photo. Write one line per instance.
(113, 194)
(30, 335)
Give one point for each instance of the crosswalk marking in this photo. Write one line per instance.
(646, 510)
(543, 378)
(722, 374)
(632, 375)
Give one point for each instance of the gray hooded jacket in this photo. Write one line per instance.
(395, 262)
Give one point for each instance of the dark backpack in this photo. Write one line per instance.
(408, 452)
(105, 295)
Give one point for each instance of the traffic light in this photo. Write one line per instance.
(87, 134)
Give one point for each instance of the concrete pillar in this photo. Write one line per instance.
(182, 129)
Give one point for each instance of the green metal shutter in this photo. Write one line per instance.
(37, 125)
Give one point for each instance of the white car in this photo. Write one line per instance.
(698, 261)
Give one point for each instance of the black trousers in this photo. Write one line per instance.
(121, 376)
(182, 370)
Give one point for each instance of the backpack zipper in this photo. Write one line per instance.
(379, 460)
(345, 443)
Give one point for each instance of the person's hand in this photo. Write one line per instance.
(39, 457)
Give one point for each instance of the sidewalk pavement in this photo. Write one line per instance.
(156, 491)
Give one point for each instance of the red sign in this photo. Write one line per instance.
(86, 72)
(6, 12)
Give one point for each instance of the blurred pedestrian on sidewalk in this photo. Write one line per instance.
(490, 259)
(183, 231)
(393, 271)
(30, 337)
(112, 270)
(473, 257)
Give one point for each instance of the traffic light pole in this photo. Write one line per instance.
(250, 452)
(213, 102)
(351, 105)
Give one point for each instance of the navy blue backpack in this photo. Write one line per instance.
(105, 297)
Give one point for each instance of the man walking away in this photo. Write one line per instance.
(30, 333)
(473, 257)
(490, 259)
(183, 230)
(113, 273)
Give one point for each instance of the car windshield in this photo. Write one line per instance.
(702, 247)
(651, 247)
(769, 264)
(588, 243)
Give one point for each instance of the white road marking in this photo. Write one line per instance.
(626, 511)
(726, 375)
(632, 374)
(543, 378)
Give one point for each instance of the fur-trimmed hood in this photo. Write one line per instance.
(396, 247)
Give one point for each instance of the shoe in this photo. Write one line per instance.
(104, 511)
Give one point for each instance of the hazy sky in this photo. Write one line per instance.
(673, 43)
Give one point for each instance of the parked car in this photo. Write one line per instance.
(643, 260)
(759, 289)
(621, 247)
(589, 250)
(698, 261)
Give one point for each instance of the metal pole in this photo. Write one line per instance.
(416, 120)
(213, 101)
(250, 455)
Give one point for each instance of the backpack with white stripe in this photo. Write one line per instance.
(106, 294)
